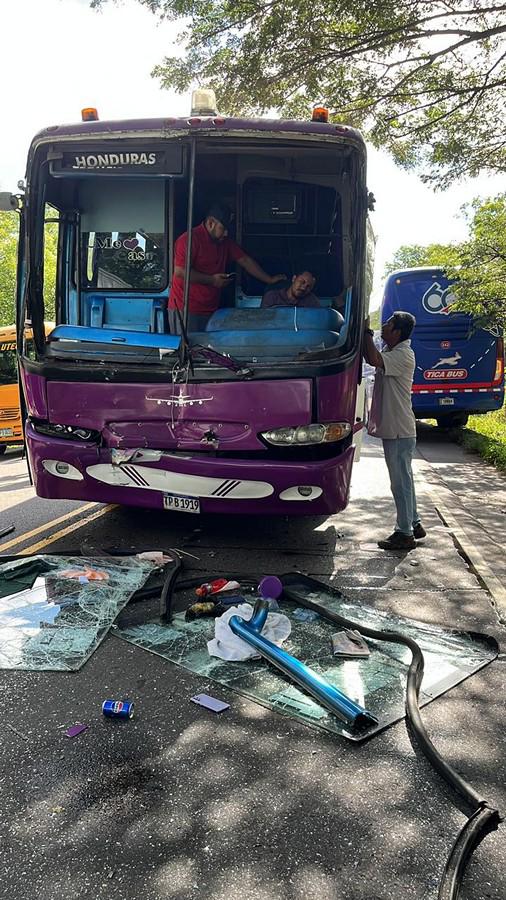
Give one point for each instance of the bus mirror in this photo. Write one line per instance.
(8, 201)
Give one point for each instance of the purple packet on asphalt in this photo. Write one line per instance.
(76, 729)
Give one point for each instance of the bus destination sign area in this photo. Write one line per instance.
(115, 160)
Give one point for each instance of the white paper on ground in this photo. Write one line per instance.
(226, 645)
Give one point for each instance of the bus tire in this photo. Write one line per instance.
(3, 448)
(454, 420)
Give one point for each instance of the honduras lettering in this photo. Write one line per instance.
(108, 160)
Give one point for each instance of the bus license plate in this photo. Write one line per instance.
(178, 503)
(5, 432)
(446, 401)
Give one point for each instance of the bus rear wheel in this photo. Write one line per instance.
(455, 420)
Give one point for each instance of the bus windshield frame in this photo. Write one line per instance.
(79, 278)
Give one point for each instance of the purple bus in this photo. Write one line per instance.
(256, 414)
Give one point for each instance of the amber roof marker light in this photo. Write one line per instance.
(89, 114)
(320, 114)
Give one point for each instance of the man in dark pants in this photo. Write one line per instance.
(211, 252)
(392, 419)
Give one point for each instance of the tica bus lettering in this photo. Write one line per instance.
(444, 374)
(106, 160)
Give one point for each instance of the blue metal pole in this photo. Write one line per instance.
(329, 697)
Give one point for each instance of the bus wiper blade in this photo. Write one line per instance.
(222, 359)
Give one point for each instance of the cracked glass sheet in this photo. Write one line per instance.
(377, 683)
(53, 616)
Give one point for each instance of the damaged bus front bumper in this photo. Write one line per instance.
(64, 469)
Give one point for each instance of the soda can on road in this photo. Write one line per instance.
(118, 709)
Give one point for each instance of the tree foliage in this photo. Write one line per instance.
(422, 78)
(410, 255)
(9, 233)
(9, 227)
(478, 264)
(374, 319)
(481, 266)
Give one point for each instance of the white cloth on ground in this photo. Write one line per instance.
(227, 645)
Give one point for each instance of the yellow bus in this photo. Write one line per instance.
(11, 428)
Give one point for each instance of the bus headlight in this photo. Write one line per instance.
(308, 434)
(69, 432)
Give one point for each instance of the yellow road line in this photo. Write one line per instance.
(29, 534)
(63, 531)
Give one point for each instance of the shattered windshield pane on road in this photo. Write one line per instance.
(55, 610)
(377, 683)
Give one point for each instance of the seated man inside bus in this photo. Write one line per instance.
(299, 293)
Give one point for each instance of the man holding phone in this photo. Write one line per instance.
(211, 252)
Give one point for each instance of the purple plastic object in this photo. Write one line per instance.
(270, 587)
(74, 730)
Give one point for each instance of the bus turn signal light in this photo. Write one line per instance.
(89, 114)
(320, 114)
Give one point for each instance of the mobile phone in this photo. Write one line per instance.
(210, 702)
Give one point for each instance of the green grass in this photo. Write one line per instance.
(486, 435)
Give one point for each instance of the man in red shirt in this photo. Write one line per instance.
(211, 252)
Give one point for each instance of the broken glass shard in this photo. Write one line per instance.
(55, 610)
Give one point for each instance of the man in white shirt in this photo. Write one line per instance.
(392, 419)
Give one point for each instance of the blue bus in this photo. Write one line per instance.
(459, 367)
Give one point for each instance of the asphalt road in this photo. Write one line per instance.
(181, 804)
